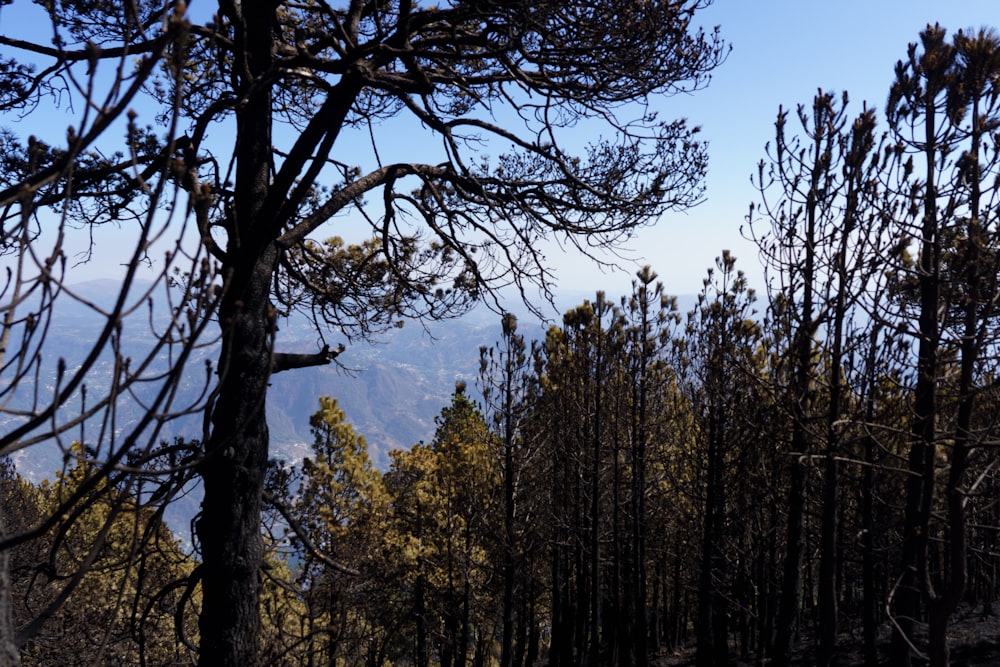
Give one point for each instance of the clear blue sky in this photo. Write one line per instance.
(783, 51)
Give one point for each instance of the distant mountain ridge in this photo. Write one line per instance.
(391, 391)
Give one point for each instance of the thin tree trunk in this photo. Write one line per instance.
(828, 566)
(920, 483)
(595, 496)
(712, 648)
(420, 612)
(788, 610)
(465, 634)
(869, 593)
(520, 639)
(534, 634)
(563, 614)
(640, 631)
(675, 625)
(829, 556)
(509, 563)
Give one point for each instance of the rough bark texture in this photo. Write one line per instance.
(8, 649)
(237, 449)
(233, 474)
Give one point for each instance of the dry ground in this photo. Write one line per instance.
(975, 642)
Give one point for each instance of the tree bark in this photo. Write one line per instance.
(802, 399)
(920, 483)
(236, 452)
(229, 529)
(8, 648)
(869, 593)
(640, 630)
(508, 655)
(712, 639)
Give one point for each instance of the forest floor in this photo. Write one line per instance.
(974, 641)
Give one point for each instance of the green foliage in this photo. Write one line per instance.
(630, 483)
(262, 132)
(341, 508)
(108, 583)
(341, 490)
(443, 496)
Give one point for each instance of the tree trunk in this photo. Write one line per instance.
(788, 609)
(420, 612)
(828, 567)
(804, 348)
(229, 529)
(704, 626)
(236, 452)
(869, 593)
(507, 653)
(829, 556)
(520, 640)
(640, 631)
(920, 483)
(563, 611)
(8, 648)
(534, 635)
(594, 655)
(465, 633)
(711, 627)
(450, 625)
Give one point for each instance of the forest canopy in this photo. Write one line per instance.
(232, 148)
(802, 473)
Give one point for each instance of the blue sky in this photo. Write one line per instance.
(783, 51)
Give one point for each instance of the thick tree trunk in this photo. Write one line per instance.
(8, 648)
(229, 529)
(236, 453)
(232, 552)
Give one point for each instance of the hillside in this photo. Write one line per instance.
(391, 390)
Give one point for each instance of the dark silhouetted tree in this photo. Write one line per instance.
(264, 125)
